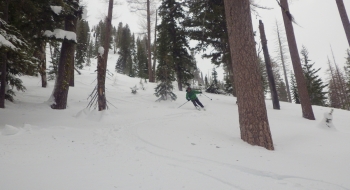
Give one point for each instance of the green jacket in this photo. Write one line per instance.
(192, 94)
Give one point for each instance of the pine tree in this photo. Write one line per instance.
(214, 86)
(131, 61)
(280, 85)
(16, 56)
(294, 89)
(347, 72)
(263, 75)
(55, 56)
(124, 51)
(141, 58)
(314, 83)
(165, 74)
(178, 44)
(82, 43)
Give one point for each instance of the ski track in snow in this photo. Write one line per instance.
(143, 144)
(191, 162)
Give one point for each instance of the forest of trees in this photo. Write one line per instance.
(28, 34)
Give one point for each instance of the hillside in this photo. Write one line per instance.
(142, 144)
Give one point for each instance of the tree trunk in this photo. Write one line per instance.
(72, 65)
(344, 18)
(40, 54)
(102, 62)
(149, 55)
(283, 65)
(272, 83)
(60, 93)
(101, 80)
(155, 50)
(298, 71)
(3, 80)
(4, 64)
(253, 119)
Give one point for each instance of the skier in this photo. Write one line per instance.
(191, 95)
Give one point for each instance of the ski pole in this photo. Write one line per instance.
(207, 96)
(183, 104)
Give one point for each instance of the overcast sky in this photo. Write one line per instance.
(319, 27)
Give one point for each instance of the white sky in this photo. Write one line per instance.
(319, 27)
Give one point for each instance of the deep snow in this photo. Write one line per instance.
(142, 144)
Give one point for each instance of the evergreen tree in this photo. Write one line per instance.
(347, 71)
(165, 74)
(124, 52)
(263, 73)
(55, 56)
(214, 87)
(16, 54)
(178, 44)
(141, 58)
(206, 24)
(314, 83)
(119, 34)
(131, 63)
(280, 85)
(294, 89)
(82, 43)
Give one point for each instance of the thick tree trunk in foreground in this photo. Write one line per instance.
(298, 71)
(102, 62)
(253, 119)
(271, 78)
(344, 18)
(60, 93)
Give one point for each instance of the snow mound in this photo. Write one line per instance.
(327, 121)
(94, 115)
(8, 130)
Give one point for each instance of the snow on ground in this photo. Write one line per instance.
(142, 144)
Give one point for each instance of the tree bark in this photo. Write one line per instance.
(272, 83)
(102, 62)
(155, 50)
(3, 70)
(344, 18)
(298, 71)
(253, 119)
(149, 52)
(60, 93)
(72, 65)
(3, 80)
(101, 80)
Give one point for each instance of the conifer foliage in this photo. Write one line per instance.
(83, 38)
(314, 83)
(172, 14)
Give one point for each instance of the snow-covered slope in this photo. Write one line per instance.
(142, 144)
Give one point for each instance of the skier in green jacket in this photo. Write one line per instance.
(191, 95)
